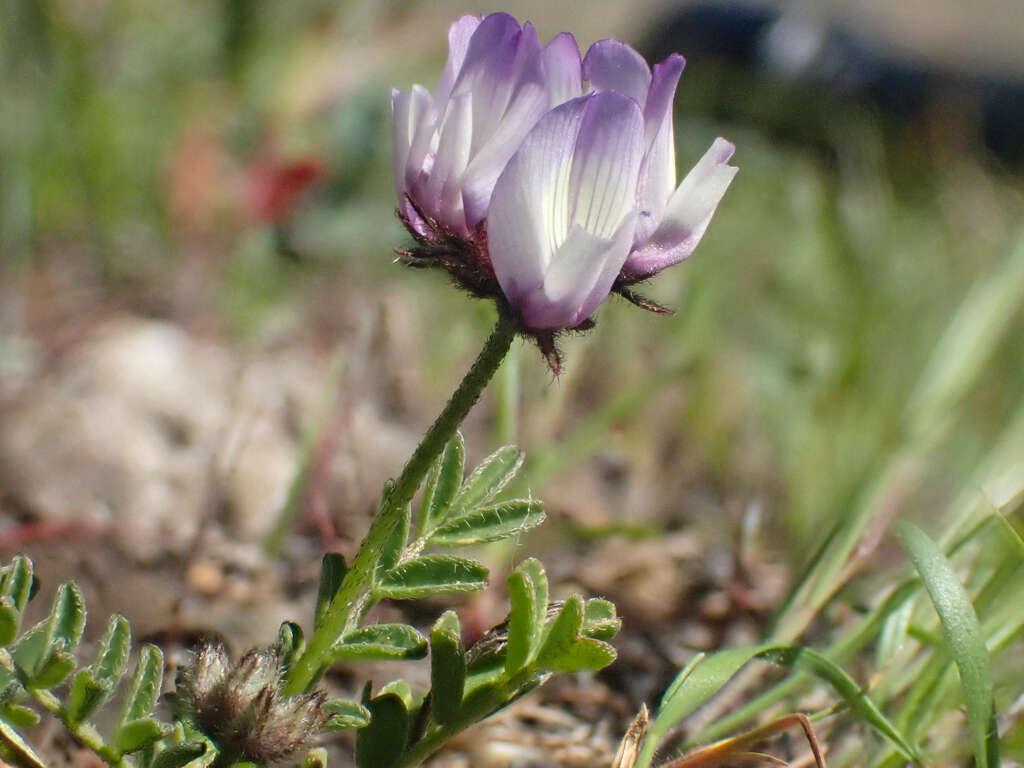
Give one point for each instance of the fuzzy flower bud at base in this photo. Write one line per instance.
(240, 708)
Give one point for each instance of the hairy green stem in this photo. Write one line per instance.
(350, 601)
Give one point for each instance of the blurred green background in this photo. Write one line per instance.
(150, 152)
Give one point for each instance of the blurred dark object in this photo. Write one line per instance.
(804, 63)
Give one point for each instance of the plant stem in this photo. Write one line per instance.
(81, 731)
(346, 607)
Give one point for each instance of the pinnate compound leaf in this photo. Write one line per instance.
(447, 674)
(145, 685)
(432, 575)
(381, 743)
(966, 641)
(443, 483)
(15, 751)
(705, 675)
(381, 642)
(137, 734)
(332, 573)
(179, 755)
(490, 523)
(345, 714)
(487, 480)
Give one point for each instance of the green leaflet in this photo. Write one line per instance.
(381, 743)
(432, 575)
(145, 685)
(393, 547)
(522, 631)
(345, 714)
(442, 484)
(447, 672)
(136, 734)
(487, 480)
(179, 755)
(381, 642)
(491, 523)
(332, 572)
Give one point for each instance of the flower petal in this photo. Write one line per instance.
(422, 122)
(501, 58)
(687, 214)
(658, 172)
(579, 278)
(611, 65)
(563, 212)
(606, 162)
(444, 188)
(563, 69)
(528, 217)
(504, 73)
(412, 118)
(459, 35)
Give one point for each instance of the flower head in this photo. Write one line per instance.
(240, 708)
(546, 180)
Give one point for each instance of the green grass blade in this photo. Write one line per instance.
(707, 675)
(963, 633)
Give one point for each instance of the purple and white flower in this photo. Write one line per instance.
(546, 180)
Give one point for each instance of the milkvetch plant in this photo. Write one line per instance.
(544, 180)
(537, 178)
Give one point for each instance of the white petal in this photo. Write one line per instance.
(528, 216)
(443, 189)
(606, 163)
(562, 215)
(579, 278)
(688, 213)
(422, 121)
(491, 158)
(657, 180)
(658, 173)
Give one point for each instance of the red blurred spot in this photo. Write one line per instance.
(275, 188)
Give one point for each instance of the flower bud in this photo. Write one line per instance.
(240, 709)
